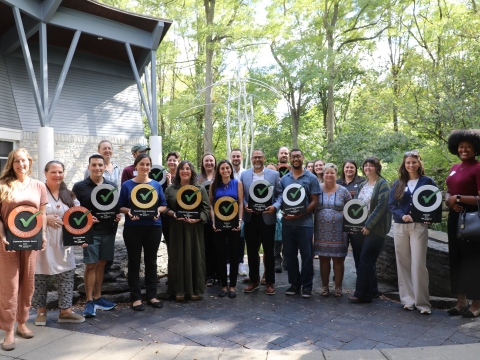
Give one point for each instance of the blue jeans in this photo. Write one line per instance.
(298, 238)
(366, 250)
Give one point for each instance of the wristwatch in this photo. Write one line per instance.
(458, 198)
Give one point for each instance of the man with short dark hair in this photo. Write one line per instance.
(260, 226)
(236, 158)
(129, 171)
(297, 230)
(283, 169)
(97, 254)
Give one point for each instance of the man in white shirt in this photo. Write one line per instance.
(236, 158)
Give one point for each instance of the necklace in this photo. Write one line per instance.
(24, 185)
(55, 199)
(467, 165)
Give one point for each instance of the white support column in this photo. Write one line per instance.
(156, 149)
(46, 149)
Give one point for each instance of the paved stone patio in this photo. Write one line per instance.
(262, 322)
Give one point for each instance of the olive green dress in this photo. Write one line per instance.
(186, 252)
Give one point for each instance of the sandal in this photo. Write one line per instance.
(456, 311)
(338, 292)
(325, 291)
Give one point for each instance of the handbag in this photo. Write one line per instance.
(468, 227)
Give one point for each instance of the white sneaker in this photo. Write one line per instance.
(228, 269)
(241, 270)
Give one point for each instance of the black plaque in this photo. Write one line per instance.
(77, 226)
(105, 201)
(427, 204)
(24, 229)
(189, 199)
(283, 170)
(144, 201)
(294, 199)
(355, 213)
(260, 195)
(226, 213)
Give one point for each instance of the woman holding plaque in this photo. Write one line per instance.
(56, 261)
(186, 263)
(368, 244)
(330, 242)
(463, 185)
(17, 268)
(207, 173)
(224, 185)
(410, 236)
(144, 232)
(318, 169)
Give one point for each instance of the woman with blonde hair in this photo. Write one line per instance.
(17, 268)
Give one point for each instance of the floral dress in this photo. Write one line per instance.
(329, 240)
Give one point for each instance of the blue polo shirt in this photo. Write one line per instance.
(312, 187)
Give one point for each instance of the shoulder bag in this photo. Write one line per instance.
(468, 227)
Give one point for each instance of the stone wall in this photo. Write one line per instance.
(437, 265)
(74, 151)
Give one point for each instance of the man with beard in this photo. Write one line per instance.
(283, 169)
(297, 230)
(236, 157)
(260, 226)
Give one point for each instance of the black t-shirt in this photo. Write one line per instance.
(352, 185)
(83, 191)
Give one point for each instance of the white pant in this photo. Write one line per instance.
(411, 243)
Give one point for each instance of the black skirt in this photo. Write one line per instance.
(464, 260)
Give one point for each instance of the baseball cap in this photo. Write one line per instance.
(139, 147)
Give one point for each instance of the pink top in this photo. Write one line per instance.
(34, 194)
(464, 178)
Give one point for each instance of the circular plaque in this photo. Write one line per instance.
(189, 197)
(355, 211)
(158, 173)
(25, 221)
(140, 195)
(261, 191)
(105, 197)
(283, 170)
(78, 220)
(294, 194)
(427, 198)
(226, 208)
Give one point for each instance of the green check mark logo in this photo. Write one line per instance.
(105, 197)
(25, 223)
(260, 192)
(79, 221)
(294, 195)
(355, 212)
(158, 174)
(144, 197)
(225, 209)
(283, 172)
(427, 199)
(190, 197)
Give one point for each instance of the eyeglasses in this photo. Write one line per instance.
(257, 157)
(412, 153)
(296, 156)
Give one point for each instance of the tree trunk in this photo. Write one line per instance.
(209, 53)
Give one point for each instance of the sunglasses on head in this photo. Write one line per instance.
(412, 153)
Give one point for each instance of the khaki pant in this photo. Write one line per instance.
(411, 243)
(17, 272)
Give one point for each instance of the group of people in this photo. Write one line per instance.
(200, 252)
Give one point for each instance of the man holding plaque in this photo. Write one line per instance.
(300, 187)
(283, 169)
(260, 219)
(105, 226)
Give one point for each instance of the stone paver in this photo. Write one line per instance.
(269, 323)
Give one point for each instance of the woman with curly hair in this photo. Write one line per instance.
(410, 238)
(186, 262)
(463, 185)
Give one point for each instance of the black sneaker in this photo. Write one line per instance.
(306, 293)
(292, 290)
